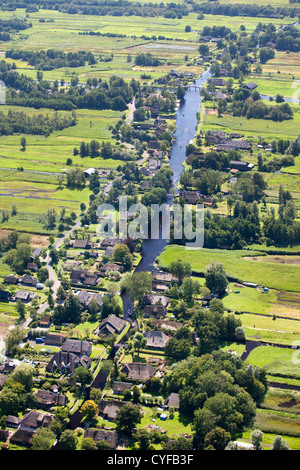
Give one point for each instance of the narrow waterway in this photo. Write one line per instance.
(186, 123)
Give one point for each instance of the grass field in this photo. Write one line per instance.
(254, 127)
(50, 153)
(273, 275)
(281, 362)
(248, 299)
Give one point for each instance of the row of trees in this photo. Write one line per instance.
(52, 58)
(18, 122)
(242, 9)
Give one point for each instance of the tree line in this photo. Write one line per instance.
(18, 122)
(52, 59)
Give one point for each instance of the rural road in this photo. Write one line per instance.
(52, 276)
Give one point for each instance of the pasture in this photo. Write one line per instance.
(273, 275)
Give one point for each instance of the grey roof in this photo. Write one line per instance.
(156, 339)
(77, 346)
(173, 400)
(102, 435)
(138, 371)
(113, 323)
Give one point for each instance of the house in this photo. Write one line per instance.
(36, 252)
(66, 362)
(111, 325)
(34, 419)
(191, 197)
(102, 435)
(28, 426)
(22, 295)
(153, 144)
(32, 267)
(85, 298)
(159, 286)
(77, 346)
(156, 339)
(82, 244)
(138, 372)
(109, 241)
(44, 322)
(5, 296)
(120, 387)
(7, 367)
(11, 280)
(156, 299)
(111, 267)
(109, 409)
(159, 311)
(29, 281)
(13, 421)
(168, 325)
(174, 74)
(22, 437)
(89, 172)
(84, 277)
(217, 81)
(250, 86)
(173, 401)
(241, 166)
(54, 339)
(109, 251)
(46, 399)
(90, 279)
(164, 276)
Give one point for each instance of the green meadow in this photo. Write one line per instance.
(248, 299)
(50, 153)
(254, 127)
(238, 265)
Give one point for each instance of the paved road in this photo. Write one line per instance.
(51, 272)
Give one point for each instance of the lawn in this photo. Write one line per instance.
(174, 427)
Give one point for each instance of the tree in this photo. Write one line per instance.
(42, 439)
(68, 440)
(180, 443)
(20, 307)
(215, 277)
(190, 288)
(138, 285)
(103, 445)
(12, 340)
(49, 218)
(279, 444)
(23, 374)
(128, 416)
(143, 438)
(139, 342)
(179, 347)
(217, 439)
(23, 143)
(88, 443)
(180, 269)
(83, 376)
(89, 410)
(9, 402)
(256, 438)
